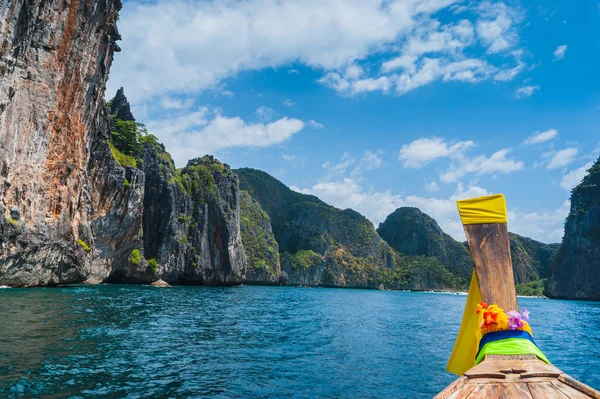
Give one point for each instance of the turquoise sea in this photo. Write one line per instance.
(254, 342)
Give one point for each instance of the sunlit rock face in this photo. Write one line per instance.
(70, 210)
(54, 62)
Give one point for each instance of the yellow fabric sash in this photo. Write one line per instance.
(480, 210)
(469, 335)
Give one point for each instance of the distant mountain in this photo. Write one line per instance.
(412, 232)
(323, 245)
(531, 259)
(575, 272)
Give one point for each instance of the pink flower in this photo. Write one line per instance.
(525, 314)
(514, 320)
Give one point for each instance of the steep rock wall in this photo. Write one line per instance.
(54, 61)
(192, 220)
(575, 272)
(262, 250)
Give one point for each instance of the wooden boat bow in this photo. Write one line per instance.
(500, 375)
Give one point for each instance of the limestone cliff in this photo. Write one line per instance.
(323, 245)
(412, 232)
(54, 61)
(262, 250)
(192, 220)
(86, 194)
(575, 272)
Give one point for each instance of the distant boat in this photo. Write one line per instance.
(495, 353)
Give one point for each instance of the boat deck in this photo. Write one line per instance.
(516, 377)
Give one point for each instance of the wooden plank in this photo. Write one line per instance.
(506, 366)
(501, 391)
(459, 389)
(571, 392)
(490, 250)
(545, 390)
(591, 392)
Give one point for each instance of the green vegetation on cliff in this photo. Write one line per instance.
(531, 259)
(127, 137)
(262, 251)
(323, 245)
(412, 232)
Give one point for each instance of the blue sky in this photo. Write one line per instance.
(373, 105)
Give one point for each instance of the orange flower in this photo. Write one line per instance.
(482, 305)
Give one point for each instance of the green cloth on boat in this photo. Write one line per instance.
(510, 346)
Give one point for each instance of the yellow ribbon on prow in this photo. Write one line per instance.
(481, 210)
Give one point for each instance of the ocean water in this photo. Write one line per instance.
(254, 342)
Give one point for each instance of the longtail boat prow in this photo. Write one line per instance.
(495, 353)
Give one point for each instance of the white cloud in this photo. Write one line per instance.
(266, 113)
(508, 74)
(293, 72)
(189, 46)
(433, 186)
(338, 169)
(405, 61)
(314, 124)
(560, 51)
(295, 160)
(481, 165)
(496, 27)
(425, 150)
(546, 226)
(369, 161)
(227, 93)
(288, 103)
(526, 91)
(563, 158)
(431, 69)
(575, 176)
(376, 206)
(541, 137)
(198, 133)
(352, 83)
(174, 103)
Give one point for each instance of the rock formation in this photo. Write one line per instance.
(86, 194)
(323, 245)
(54, 62)
(412, 232)
(262, 250)
(575, 272)
(192, 220)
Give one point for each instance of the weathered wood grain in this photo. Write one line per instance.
(490, 250)
(501, 391)
(546, 390)
(591, 392)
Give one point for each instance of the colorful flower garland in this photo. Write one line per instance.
(494, 319)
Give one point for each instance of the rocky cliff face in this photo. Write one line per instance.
(575, 272)
(192, 220)
(323, 245)
(262, 250)
(85, 193)
(54, 61)
(412, 232)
